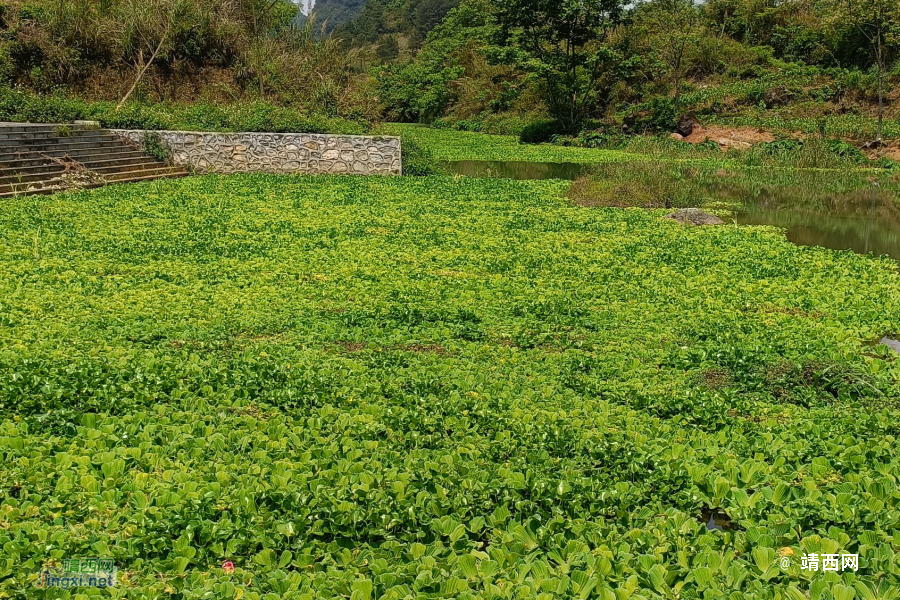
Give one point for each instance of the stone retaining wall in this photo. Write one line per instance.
(279, 153)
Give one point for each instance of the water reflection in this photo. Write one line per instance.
(864, 221)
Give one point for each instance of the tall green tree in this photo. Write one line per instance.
(671, 27)
(879, 22)
(565, 46)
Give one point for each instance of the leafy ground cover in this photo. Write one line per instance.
(441, 145)
(451, 145)
(437, 387)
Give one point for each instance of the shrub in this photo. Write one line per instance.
(154, 146)
(656, 115)
(19, 106)
(539, 132)
(417, 160)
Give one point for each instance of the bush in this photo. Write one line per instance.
(539, 132)
(19, 106)
(154, 146)
(657, 115)
(418, 161)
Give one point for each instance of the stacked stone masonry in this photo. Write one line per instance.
(279, 153)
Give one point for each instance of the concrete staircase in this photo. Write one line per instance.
(47, 158)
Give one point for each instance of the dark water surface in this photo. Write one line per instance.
(862, 221)
(859, 222)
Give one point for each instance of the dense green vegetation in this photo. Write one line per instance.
(220, 52)
(730, 184)
(333, 13)
(449, 145)
(604, 64)
(394, 28)
(448, 387)
(16, 105)
(437, 387)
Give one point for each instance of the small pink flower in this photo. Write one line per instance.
(228, 566)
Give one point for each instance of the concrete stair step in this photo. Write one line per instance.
(99, 163)
(175, 174)
(75, 154)
(7, 127)
(144, 166)
(48, 173)
(102, 154)
(26, 169)
(30, 155)
(49, 136)
(68, 145)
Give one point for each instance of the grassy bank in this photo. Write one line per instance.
(441, 387)
(450, 145)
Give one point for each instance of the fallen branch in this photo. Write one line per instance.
(144, 68)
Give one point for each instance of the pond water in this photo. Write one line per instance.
(716, 519)
(858, 221)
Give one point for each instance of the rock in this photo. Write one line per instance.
(872, 145)
(677, 137)
(892, 344)
(777, 96)
(694, 216)
(686, 125)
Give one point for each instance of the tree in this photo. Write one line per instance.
(145, 27)
(671, 32)
(564, 45)
(879, 22)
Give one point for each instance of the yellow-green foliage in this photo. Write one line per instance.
(435, 387)
(449, 145)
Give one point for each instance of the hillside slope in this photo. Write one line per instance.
(334, 13)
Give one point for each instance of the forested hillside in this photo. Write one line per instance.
(214, 51)
(500, 65)
(333, 13)
(394, 29)
(549, 67)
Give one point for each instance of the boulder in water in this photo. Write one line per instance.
(694, 216)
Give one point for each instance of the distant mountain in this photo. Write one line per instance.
(393, 27)
(335, 13)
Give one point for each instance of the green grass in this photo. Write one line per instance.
(661, 183)
(442, 145)
(449, 145)
(783, 122)
(436, 387)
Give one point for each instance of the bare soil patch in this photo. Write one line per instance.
(740, 138)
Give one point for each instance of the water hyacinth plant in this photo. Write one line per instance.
(437, 387)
